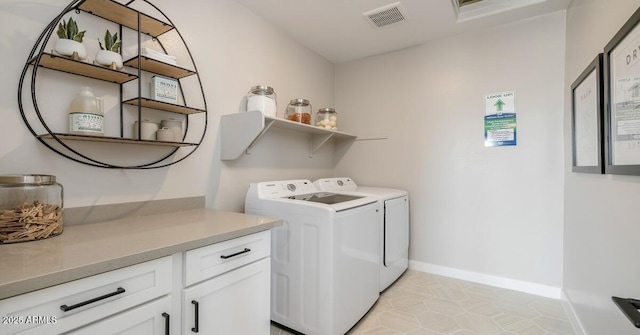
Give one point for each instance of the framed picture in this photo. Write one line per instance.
(587, 104)
(622, 94)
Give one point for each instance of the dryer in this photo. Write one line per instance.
(393, 223)
(324, 274)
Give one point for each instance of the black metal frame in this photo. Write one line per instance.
(594, 67)
(610, 168)
(34, 60)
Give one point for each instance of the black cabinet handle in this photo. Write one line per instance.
(236, 254)
(630, 309)
(66, 308)
(167, 324)
(197, 327)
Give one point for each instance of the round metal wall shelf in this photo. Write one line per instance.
(144, 25)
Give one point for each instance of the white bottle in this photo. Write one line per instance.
(86, 115)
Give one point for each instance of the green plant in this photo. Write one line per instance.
(69, 30)
(111, 42)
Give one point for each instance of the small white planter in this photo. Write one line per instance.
(109, 58)
(71, 48)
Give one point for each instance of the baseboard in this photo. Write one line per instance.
(571, 314)
(481, 278)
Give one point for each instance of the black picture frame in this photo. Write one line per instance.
(622, 99)
(587, 106)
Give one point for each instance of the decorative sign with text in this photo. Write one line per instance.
(500, 119)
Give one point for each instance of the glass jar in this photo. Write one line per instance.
(299, 110)
(30, 207)
(262, 98)
(327, 118)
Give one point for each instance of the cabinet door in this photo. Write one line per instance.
(236, 302)
(150, 319)
(396, 230)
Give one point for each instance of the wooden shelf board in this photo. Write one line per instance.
(164, 106)
(126, 16)
(158, 67)
(68, 65)
(107, 139)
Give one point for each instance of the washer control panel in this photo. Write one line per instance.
(285, 188)
(335, 184)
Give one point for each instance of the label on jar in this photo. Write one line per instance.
(264, 104)
(86, 122)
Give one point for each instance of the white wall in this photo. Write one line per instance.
(601, 218)
(489, 211)
(233, 50)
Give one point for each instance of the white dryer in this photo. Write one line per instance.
(393, 222)
(324, 274)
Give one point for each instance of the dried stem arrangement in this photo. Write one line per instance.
(30, 221)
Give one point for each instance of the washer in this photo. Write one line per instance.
(393, 222)
(324, 274)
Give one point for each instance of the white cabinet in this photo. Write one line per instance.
(149, 319)
(223, 288)
(233, 303)
(232, 294)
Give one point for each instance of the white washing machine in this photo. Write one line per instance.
(324, 274)
(393, 222)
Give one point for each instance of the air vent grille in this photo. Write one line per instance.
(385, 15)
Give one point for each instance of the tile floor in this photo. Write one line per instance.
(425, 304)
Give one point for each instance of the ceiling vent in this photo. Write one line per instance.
(385, 15)
(475, 9)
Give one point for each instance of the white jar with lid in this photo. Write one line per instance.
(30, 207)
(175, 126)
(327, 118)
(263, 99)
(148, 130)
(165, 134)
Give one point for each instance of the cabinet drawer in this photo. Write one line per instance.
(152, 318)
(210, 261)
(87, 299)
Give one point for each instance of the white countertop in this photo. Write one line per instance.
(86, 250)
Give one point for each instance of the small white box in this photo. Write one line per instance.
(164, 89)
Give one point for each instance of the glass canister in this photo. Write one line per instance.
(327, 118)
(299, 110)
(262, 98)
(30, 207)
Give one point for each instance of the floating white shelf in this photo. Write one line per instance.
(241, 131)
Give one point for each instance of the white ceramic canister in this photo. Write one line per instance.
(262, 98)
(175, 126)
(147, 130)
(165, 134)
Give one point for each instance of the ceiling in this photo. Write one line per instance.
(338, 30)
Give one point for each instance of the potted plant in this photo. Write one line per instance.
(69, 41)
(109, 55)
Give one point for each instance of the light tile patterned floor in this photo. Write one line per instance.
(424, 304)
